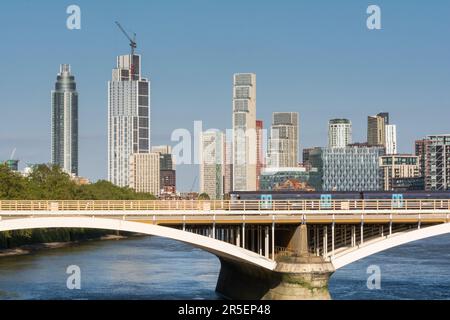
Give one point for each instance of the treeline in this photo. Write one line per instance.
(48, 182)
(14, 239)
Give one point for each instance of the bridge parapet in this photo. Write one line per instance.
(425, 205)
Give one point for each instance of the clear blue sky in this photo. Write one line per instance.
(314, 57)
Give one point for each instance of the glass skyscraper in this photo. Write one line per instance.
(65, 122)
(128, 117)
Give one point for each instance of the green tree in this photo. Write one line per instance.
(12, 184)
(204, 196)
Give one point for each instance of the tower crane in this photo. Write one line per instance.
(13, 153)
(133, 45)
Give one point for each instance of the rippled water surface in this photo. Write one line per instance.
(155, 268)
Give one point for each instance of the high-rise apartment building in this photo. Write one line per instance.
(260, 158)
(244, 132)
(391, 139)
(128, 117)
(434, 158)
(398, 166)
(339, 133)
(228, 167)
(421, 147)
(212, 164)
(376, 130)
(144, 173)
(65, 121)
(385, 116)
(284, 140)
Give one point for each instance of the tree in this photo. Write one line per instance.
(12, 185)
(204, 196)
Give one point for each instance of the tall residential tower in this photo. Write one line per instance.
(212, 164)
(339, 133)
(284, 137)
(128, 117)
(244, 132)
(65, 122)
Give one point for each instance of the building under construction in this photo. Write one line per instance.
(434, 158)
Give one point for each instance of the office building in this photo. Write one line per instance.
(339, 133)
(284, 140)
(354, 168)
(144, 173)
(65, 122)
(128, 117)
(244, 132)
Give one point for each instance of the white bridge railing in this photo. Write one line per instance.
(426, 205)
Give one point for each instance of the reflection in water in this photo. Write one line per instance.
(155, 268)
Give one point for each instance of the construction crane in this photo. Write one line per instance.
(13, 154)
(133, 43)
(133, 46)
(193, 185)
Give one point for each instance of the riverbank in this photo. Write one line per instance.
(32, 248)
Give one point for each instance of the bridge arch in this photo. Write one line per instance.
(357, 253)
(219, 248)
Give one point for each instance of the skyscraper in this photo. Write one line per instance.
(259, 150)
(284, 137)
(376, 130)
(212, 164)
(244, 132)
(128, 117)
(339, 133)
(391, 139)
(228, 166)
(385, 116)
(65, 121)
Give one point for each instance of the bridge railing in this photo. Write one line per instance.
(293, 206)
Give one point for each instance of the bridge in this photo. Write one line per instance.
(268, 250)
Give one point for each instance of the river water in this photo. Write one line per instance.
(156, 268)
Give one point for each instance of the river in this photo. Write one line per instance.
(156, 268)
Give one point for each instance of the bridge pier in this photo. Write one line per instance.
(298, 277)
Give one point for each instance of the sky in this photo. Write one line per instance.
(314, 57)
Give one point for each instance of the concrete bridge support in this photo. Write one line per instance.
(300, 276)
